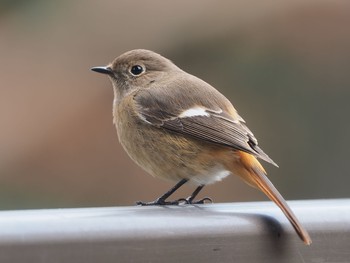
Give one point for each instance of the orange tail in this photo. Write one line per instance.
(254, 174)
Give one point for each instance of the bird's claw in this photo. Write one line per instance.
(186, 201)
(189, 201)
(157, 202)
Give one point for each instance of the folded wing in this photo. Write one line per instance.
(211, 125)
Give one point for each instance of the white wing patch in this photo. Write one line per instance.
(143, 118)
(195, 111)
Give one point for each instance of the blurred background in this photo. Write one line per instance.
(283, 64)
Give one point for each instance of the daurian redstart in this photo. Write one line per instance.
(178, 127)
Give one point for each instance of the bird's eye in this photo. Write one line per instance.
(136, 70)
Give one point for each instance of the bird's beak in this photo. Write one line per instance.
(103, 70)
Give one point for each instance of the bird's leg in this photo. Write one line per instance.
(189, 200)
(162, 200)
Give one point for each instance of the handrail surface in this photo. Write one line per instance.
(228, 232)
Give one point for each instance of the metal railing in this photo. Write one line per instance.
(230, 232)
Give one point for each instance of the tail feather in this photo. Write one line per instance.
(255, 176)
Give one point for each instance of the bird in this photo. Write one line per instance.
(179, 128)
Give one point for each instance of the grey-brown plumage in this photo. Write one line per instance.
(178, 127)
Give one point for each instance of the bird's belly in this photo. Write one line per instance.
(173, 157)
(213, 174)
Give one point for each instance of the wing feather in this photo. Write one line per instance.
(217, 126)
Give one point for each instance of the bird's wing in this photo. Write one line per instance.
(214, 125)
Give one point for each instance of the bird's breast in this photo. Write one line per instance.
(166, 154)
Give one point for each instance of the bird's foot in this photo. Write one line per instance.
(159, 201)
(190, 201)
(187, 201)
